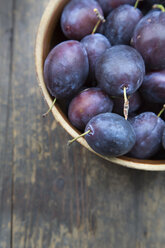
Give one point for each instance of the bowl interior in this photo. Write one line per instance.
(48, 35)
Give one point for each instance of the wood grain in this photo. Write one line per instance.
(63, 197)
(6, 139)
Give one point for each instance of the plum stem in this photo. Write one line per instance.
(101, 19)
(96, 26)
(54, 101)
(159, 6)
(161, 111)
(81, 135)
(126, 104)
(136, 4)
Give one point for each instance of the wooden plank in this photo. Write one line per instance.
(67, 197)
(6, 145)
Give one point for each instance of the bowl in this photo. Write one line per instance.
(47, 31)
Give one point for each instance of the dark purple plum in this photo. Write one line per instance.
(118, 67)
(110, 134)
(78, 18)
(95, 45)
(120, 24)
(148, 128)
(108, 5)
(149, 39)
(66, 69)
(153, 87)
(163, 139)
(87, 104)
(134, 103)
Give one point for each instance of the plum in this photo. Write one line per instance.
(87, 104)
(66, 69)
(110, 134)
(118, 67)
(153, 87)
(120, 24)
(163, 139)
(148, 128)
(95, 45)
(149, 39)
(108, 5)
(78, 18)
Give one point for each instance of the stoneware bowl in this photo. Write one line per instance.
(48, 31)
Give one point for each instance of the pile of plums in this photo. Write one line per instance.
(109, 71)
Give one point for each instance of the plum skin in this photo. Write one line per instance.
(163, 139)
(95, 45)
(118, 67)
(120, 24)
(87, 104)
(149, 39)
(66, 69)
(153, 87)
(108, 5)
(148, 128)
(110, 134)
(78, 18)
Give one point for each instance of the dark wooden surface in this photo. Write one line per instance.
(52, 196)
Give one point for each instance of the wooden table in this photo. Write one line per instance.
(52, 196)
